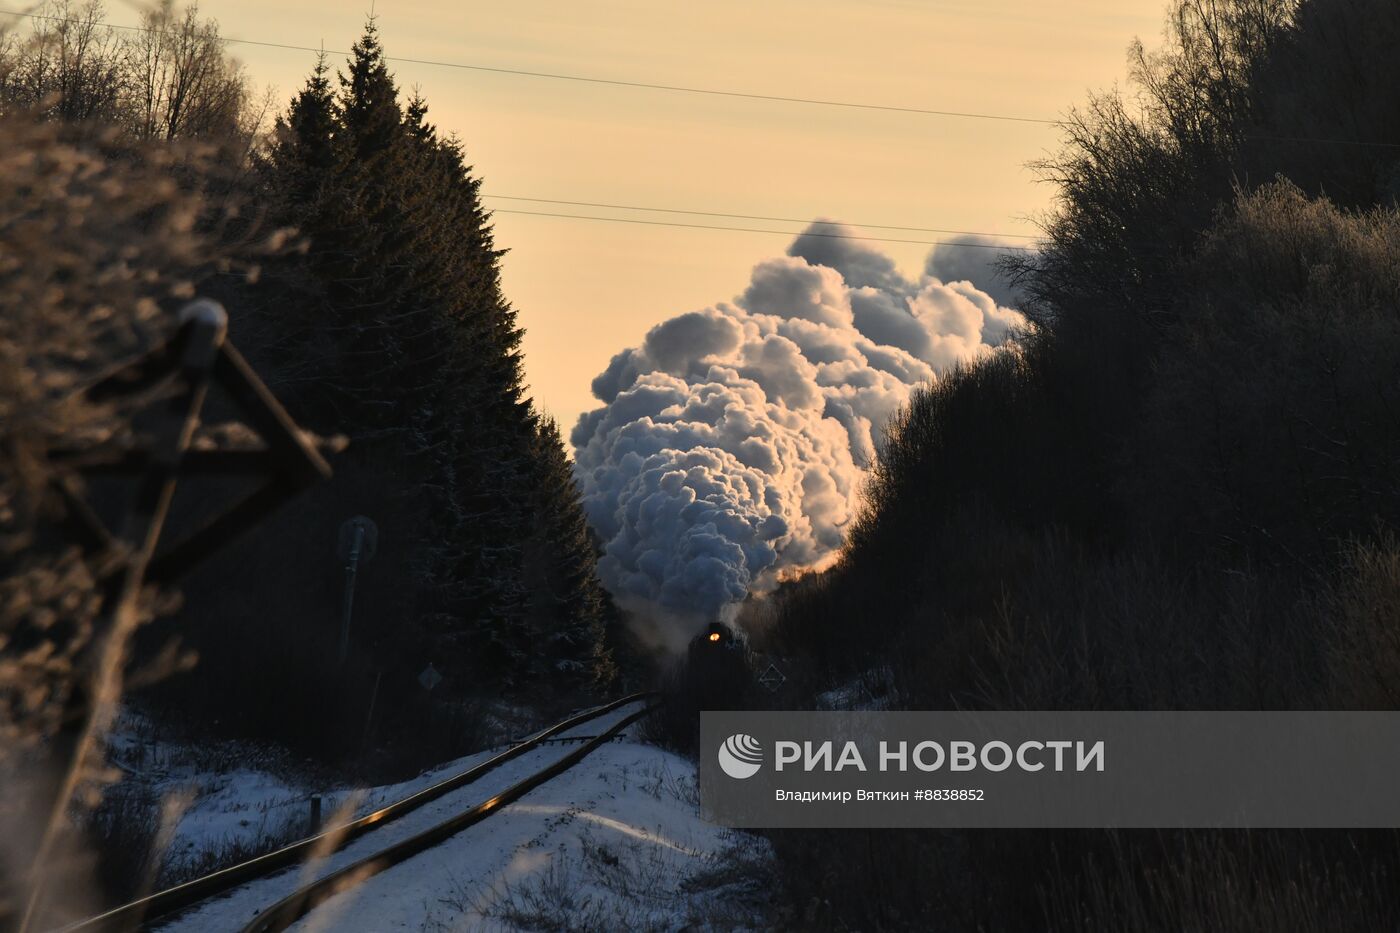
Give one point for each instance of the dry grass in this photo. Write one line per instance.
(99, 243)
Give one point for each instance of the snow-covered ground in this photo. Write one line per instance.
(219, 800)
(617, 842)
(229, 799)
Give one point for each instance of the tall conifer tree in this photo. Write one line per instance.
(302, 150)
(428, 365)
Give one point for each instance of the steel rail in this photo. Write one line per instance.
(164, 905)
(299, 903)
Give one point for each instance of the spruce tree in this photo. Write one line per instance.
(302, 152)
(427, 376)
(567, 603)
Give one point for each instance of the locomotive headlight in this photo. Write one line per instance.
(714, 636)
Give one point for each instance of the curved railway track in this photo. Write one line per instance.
(299, 903)
(168, 905)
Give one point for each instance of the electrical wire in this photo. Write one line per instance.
(795, 220)
(587, 79)
(648, 85)
(834, 236)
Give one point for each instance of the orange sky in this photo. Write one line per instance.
(587, 289)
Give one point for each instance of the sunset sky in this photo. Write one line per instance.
(587, 289)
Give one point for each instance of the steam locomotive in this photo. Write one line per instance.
(716, 675)
(715, 637)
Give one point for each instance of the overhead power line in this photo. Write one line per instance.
(586, 79)
(840, 236)
(795, 220)
(833, 236)
(614, 82)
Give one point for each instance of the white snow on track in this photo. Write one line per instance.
(617, 841)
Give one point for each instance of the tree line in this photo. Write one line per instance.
(169, 78)
(1180, 493)
(382, 319)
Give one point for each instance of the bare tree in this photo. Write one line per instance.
(69, 68)
(168, 79)
(182, 84)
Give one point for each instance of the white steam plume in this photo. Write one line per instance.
(730, 445)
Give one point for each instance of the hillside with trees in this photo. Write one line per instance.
(1180, 494)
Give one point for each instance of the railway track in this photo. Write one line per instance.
(275, 895)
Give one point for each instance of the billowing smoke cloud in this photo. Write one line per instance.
(730, 445)
(974, 258)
